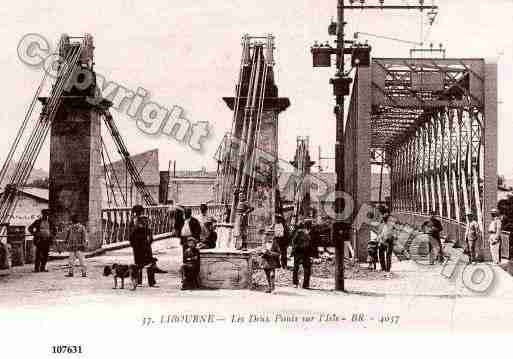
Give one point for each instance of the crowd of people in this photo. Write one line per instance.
(199, 233)
(381, 246)
(304, 239)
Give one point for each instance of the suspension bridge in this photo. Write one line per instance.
(72, 115)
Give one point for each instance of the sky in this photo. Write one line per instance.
(188, 54)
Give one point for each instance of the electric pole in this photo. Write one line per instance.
(341, 83)
(339, 233)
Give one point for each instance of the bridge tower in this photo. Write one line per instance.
(75, 148)
(303, 165)
(263, 176)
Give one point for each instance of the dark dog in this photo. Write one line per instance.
(122, 271)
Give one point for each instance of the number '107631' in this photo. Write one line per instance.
(66, 349)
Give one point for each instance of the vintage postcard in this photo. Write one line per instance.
(214, 176)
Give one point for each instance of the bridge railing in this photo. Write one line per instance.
(116, 221)
(453, 229)
(214, 210)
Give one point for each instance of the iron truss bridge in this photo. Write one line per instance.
(433, 124)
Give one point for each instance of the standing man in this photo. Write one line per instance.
(140, 240)
(433, 227)
(303, 250)
(242, 239)
(178, 220)
(494, 232)
(76, 244)
(386, 243)
(43, 231)
(281, 234)
(203, 218)
(472, 236)
(191, 228)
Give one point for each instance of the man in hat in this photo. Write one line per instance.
(303, 250)
(386, 243)
(179, 220)
(281, 234)
(245, 209)
(141, 238)
(494, 233)
(472, 236)
(191, 228)
(43, 231)
(433, 228)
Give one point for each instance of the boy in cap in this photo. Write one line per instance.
(270, 253)
(372, 251)
(76, 243)
(191, 265)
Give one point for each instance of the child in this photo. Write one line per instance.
(76, 243)
(270, 259)
(191, 265)
(372, 250)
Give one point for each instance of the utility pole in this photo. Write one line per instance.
(341, 82)
(339, 236)
(320, 158)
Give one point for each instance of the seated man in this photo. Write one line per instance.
(210, 238)
(191, 265)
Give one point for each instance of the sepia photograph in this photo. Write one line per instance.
(189, 178)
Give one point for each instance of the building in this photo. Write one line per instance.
(191, 188)
(30, 203)
(119, 189)
(322, 188)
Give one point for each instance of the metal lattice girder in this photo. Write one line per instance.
(415, 89)
(430, 116)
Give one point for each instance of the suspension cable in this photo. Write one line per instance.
(104, 147)
(227, 168)
(9, 199)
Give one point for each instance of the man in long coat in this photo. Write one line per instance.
(140, 240)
